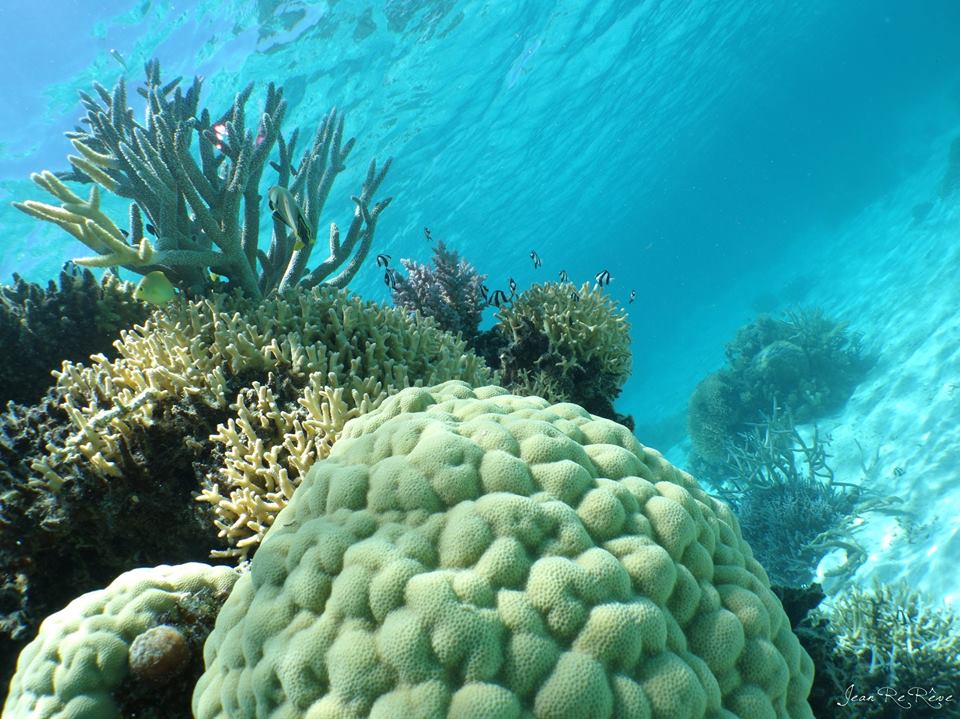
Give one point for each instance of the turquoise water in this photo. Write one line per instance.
(692, 149)
(718, 159)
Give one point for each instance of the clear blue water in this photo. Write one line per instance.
(691, 148)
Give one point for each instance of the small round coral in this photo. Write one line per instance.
(470, 553)
(159, 655)
(567, 344)
(83, 653)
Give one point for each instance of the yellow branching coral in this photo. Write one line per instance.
(281, 377)
(268, 450)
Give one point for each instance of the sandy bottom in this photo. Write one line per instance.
(897, 281)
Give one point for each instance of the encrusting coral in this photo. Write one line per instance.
(466, 552)
(102, 655)
(566, 344)
(206, 214)
(449, 291)
(70, 319)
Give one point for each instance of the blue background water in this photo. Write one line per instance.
(694, 149)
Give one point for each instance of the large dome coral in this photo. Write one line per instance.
(471, 553)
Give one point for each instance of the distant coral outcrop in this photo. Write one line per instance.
(804, 362)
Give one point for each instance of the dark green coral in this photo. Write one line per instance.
(70, 319)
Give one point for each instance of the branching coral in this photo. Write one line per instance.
(125, 443)
(450, 292)
(568, 344)
(790, 507)
(206, 214)
(68, 320)
(311, 360)
(891, 643)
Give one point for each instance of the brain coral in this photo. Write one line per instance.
(77, 666)
(470, 553)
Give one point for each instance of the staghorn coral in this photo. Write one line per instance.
(569, 345)
(206, 214)
(889, 642)
(789, 506)
(466, 552)
(95, 657)
(450, 292)
(70, 319)
(804, 362)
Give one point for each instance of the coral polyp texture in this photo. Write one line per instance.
(467, 552)
(566, 344)
(204, 204)
(131, 649)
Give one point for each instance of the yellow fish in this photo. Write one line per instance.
(155, 288)
(286, 209)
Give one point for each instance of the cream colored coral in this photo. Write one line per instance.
(268, 450)
(468, 552)
(343, 352)
(80, 655)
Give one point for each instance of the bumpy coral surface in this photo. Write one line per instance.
(471, 553)
(77, 666)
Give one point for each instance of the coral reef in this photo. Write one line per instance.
(790, 508)
(805, 362)
(57, 542)
(889, 642)
(450, 292)
(123, 444)
(206, 214)
(467, 552)
(70, 319)
(566, 345)
(85, 661)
